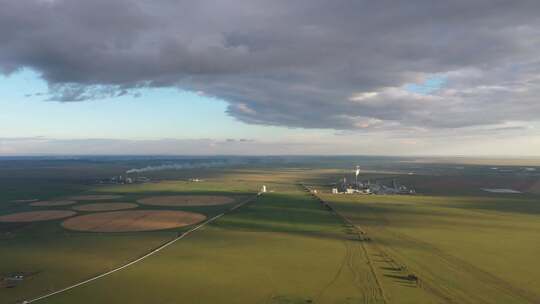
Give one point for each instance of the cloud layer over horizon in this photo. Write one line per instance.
(341, 65)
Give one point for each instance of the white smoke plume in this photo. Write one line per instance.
(180, 166)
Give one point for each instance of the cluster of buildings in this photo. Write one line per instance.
(13, 279)
(121, 180)
(369, 187)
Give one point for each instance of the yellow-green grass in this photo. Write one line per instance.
(284, 248)
(60, 258)
(226, 182)
(181, 186)
(468, 249)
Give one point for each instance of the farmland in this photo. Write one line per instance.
(451, 243)
(468, 249)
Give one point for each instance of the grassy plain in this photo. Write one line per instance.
(284, 248)
(464, 245)
(464, 249)
(53, 257)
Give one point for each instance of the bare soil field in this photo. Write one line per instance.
(186, 200)
(139, 220)
(105, 206)
(52, 203)
(95, 197)
(35, 216)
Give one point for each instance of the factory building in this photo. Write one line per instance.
(380, 186)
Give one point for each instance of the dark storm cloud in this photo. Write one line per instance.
(314, 64)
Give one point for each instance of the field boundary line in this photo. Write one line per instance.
(147, 255)
(360, 231)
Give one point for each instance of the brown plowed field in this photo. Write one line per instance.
(35, 216)
(94, 197)
(52, 203)
(186, 200)
(105, 206)
(138, 220)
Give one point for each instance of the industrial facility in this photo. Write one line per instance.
(122, 180)
(377, 186)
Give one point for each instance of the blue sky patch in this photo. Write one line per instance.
(429, 86)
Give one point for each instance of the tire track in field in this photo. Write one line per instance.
(360, 278)
(430, 281)
(461, 266)
(433, 289)
(426, 284)
(429, 285)
(375, 294)
(149, 254)
(370, 294)
(472, 270)
(376, 291)
(353, 256)
(337, 274)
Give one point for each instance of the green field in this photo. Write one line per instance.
(462, 244)
(284, 248)
(56, 257)
(468, 249)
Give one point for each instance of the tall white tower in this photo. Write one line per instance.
(356, 175)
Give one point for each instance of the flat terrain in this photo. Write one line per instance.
(52, 203)
(95, 197)
(186, 200)
(35, 216)
(52, 257)
(463, 249)
(451, 243)
(105, 206)
(283, 248)
(129, 221)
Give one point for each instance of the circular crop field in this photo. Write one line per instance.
(95, 197)
(105, 206)
(52, 203)
(186, 200)
(36, 216)
(137, 220)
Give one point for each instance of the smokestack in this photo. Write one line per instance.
(356, 175)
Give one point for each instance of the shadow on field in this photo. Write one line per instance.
(403, 280)
(525, 205)
(8, 228)
(283, 213)
(433, 212)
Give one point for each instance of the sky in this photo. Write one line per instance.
(270, 77)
